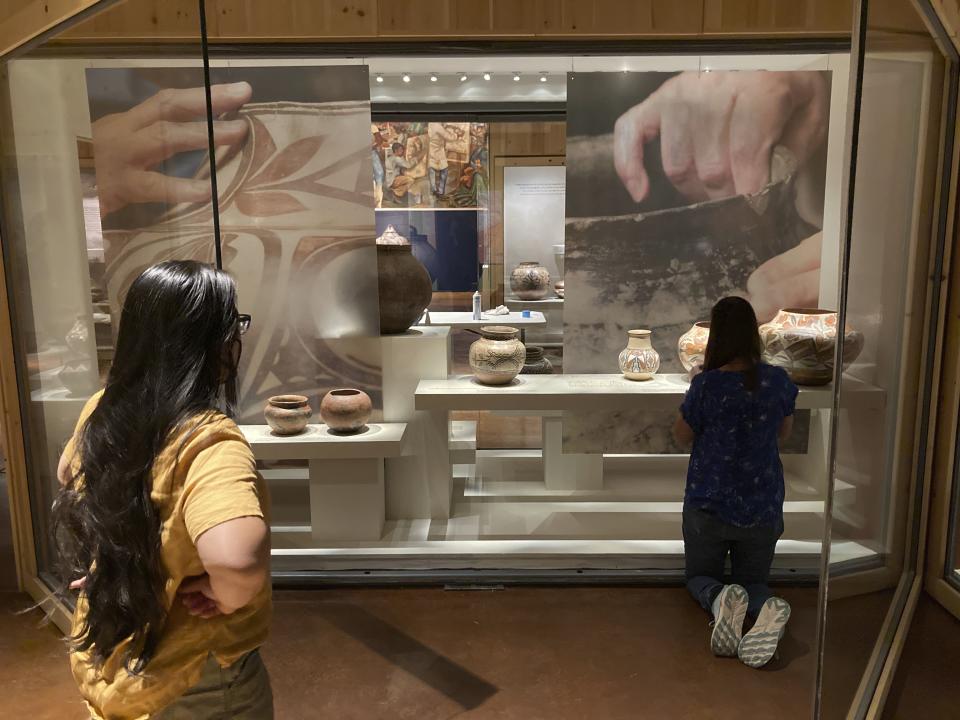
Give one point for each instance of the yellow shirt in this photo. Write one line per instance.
(215, 480)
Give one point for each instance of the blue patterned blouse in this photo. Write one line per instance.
(735, 470)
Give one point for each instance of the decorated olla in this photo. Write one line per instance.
(692, 346)
(639, 361)
(530, 281)
(287, 414)
(346, 410)
(498, 356)
(803, 342)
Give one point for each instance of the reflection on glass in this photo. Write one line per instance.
(881, 391)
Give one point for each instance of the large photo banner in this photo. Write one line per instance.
(295, 199)
(683, 188)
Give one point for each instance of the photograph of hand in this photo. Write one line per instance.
(128, 146)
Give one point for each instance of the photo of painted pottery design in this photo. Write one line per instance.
(803, 341)
(530, 281)
(498, 356)
(287, 414)
(692, 346)
(345, 411)
(639, 361)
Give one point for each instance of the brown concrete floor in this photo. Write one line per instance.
(925, 684)
(430, 654)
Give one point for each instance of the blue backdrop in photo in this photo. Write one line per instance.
(445, 241)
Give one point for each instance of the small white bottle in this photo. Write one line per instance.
(477, 304)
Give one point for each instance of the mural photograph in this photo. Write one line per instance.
(430, 165)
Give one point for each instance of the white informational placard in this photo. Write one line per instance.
(533, 216)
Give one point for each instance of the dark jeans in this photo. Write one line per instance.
(706, 542)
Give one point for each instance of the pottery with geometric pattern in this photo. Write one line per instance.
(803, 341)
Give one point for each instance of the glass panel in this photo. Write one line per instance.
(883, 398)
(104, 174)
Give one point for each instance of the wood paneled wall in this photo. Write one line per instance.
(304, 20)
(23, 20)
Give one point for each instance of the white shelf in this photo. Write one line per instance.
(465, 320)
(540, 393)
(551, 302)
(317, 442)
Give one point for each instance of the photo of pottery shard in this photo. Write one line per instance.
(692, 346)
(346, 411)
(498, 356)
(287, 414)
(295, 204)
(404, 285)
(530, 281)
(638, 360)
(803, 342)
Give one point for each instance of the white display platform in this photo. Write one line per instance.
(345, 474)
(549, 335)
(546, 303)
(418, 483)
(464, 320)
(540, 393)
(318, 442)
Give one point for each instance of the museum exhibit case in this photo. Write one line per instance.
(479, 280)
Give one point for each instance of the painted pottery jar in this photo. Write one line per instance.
(692, 346)
(498, 356)
(559, 289)
(639, 361)
(346, 410)
(287, 414)
(530, 281)
(536, 363)
(802, 342)
(403, 283)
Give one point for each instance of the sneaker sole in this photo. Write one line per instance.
(728, 625)
(760, 644)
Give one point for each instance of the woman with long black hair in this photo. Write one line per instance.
(161, 520)
(736, 411)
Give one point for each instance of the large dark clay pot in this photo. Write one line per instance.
(405, 288)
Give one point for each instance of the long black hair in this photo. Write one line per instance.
(175, 361)
(734, 336)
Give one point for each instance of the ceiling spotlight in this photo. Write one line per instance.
(406, 78)
(433, 78)
(543, 77)
(486, 76)
(516, 77)
(379, 78)
(463, 77)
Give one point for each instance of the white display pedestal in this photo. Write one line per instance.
(551, 333)
(419, 484)
(345, 474)
(571, 471)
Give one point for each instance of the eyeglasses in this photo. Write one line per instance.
(243, 323)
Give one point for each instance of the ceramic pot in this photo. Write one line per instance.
(559, 289)
(497, 357)
(692, 346)
(536, 363)
(346, 410)
(403, 283)
(802, 342)
(638, 360)
(287, 414)
(530, 281)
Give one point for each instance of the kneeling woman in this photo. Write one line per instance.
(735, 412)
(161, 519)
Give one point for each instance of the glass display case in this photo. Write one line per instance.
(381, 213)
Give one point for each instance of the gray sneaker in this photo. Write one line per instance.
(730, 608)
(760, 644)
